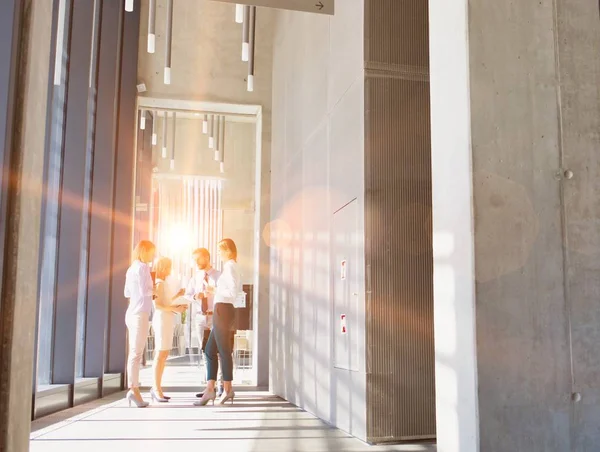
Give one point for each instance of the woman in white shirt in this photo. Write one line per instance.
(139, 288)
(163, 324)
(219, 341)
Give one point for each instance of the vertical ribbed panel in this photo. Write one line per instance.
(396, 34)
(399, 261)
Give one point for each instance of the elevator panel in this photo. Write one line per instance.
(345, 285)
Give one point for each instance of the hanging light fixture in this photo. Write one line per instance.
(246, 33)
(239, 13)
(251, 48)
(222, 159)
(142, 119)
(222, 144)
(129, 6)
(211, 128)
(169, 34)
(173, 141)
(218, 140)
(205, 124)
(164, 135)
(152, 27)
(154, 136)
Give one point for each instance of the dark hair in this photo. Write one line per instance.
(203, 251)
(229, 245)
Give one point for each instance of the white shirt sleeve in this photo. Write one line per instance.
(190, 290)
(127, 290)
(145, 281)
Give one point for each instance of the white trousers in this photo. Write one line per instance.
(138, 326)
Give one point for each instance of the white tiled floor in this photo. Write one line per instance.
(256, 422)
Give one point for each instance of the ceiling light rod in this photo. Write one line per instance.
(222, 141)
(169, 35)
(142, 119)
(173, 141)
(218, 139)
(205, 124)
(152, 27)
(239, 13)
(165, 119)
(251, 48)
(154, 136)
(246, 33)
(211, 128)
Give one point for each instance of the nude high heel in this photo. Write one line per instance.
(156, 398)
(226, 397)
(132, 398)
(206, 397)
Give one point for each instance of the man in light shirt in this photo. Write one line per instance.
(197, 291)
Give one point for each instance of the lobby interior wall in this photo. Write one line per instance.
(399, 262)
(515, 114)
(317, 168)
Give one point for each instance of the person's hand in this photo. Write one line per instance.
(181, 293)
(199, 296)
(180, 308)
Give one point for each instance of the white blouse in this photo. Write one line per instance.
(139, 288)
(228, 284)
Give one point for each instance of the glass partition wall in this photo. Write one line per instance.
(195, 184)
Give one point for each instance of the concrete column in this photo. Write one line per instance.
(21, 248)
(515, 105)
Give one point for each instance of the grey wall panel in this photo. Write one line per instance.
(523, 362)
(122, 234)
(98, 288)
(315, 296)
(72, 195)
(317, 143)
(578, 38)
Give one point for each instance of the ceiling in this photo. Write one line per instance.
(206, 54)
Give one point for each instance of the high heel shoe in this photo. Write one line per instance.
(138, 403)
(226, 397)
(206, 397)
(156, 398)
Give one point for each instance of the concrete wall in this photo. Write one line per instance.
(317, 168)
(206, 54)
(515, 103)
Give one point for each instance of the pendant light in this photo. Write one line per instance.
(173, 141)
(164, 135)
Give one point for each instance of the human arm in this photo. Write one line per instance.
(163, 303)
(146, 286)
(127, 289)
